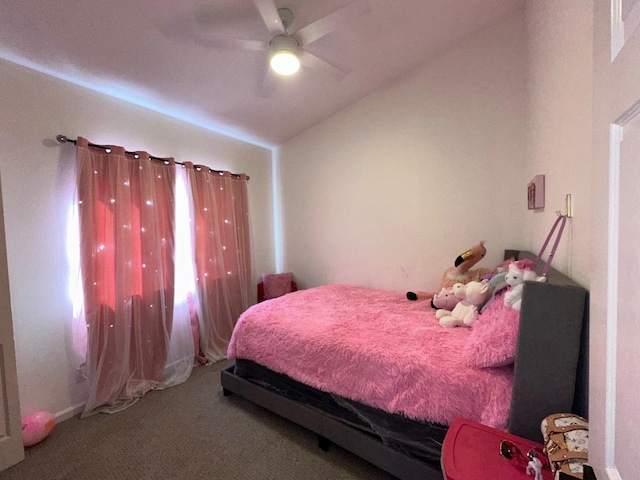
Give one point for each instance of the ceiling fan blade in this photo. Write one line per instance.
(177, 28)
(270, 16)
(183, 28)
(312, 61)
(267, 82)
(226, 42)
(327, 24)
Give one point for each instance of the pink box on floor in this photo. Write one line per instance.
(471, 451)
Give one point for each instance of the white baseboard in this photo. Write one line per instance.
(613, 474)
(70, 412)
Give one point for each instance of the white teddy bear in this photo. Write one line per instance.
(472, 296)
(519, 272)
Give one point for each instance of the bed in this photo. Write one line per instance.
(388, 392)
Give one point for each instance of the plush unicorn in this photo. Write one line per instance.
(518, 273)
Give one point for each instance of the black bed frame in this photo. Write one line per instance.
(550, 376)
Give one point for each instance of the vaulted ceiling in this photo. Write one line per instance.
(189, 59)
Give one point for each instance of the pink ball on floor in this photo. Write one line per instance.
(36, 427)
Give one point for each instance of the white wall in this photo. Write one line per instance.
(559, 39)
(37, 188)
(389, 191)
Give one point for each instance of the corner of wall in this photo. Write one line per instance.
(278, 211)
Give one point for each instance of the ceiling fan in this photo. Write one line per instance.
(286, 49)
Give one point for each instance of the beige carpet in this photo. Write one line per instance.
(187, 432)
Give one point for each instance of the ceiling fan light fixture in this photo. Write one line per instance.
(284, 55)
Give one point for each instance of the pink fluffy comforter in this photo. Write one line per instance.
(375, 347)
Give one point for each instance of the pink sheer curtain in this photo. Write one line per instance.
(135, 330)
(222, 255)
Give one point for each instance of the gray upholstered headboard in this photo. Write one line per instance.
(551, 367)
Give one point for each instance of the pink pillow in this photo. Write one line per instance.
(276, 284)
(494, 336)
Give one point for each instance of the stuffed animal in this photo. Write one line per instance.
(497, 284)
(445, 299)
(461, 271)
(518, 273)
(473, 296)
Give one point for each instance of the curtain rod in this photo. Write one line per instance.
(65, 139)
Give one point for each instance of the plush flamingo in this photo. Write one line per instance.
(461, 272)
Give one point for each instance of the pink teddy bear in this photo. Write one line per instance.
(445, 299)
(472, 297)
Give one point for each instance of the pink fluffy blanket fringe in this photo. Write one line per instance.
(375, 347)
